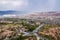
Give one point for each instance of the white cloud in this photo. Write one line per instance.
(4, 2)
(13, 4)
(17, 3)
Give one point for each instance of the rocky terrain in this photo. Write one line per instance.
(53, 32)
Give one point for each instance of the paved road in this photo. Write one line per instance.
(34, 32)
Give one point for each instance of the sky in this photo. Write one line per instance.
(30, 5)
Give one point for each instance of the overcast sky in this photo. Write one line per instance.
(30, 5)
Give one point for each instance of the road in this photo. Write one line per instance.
(34, 32)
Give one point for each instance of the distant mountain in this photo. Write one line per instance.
(6, 12)
(11, 12)
(20, 14)
(45, 14)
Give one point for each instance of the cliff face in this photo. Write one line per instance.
(54, 32)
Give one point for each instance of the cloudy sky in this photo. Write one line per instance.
(30, 5)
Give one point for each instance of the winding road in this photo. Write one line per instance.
(34, 32)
